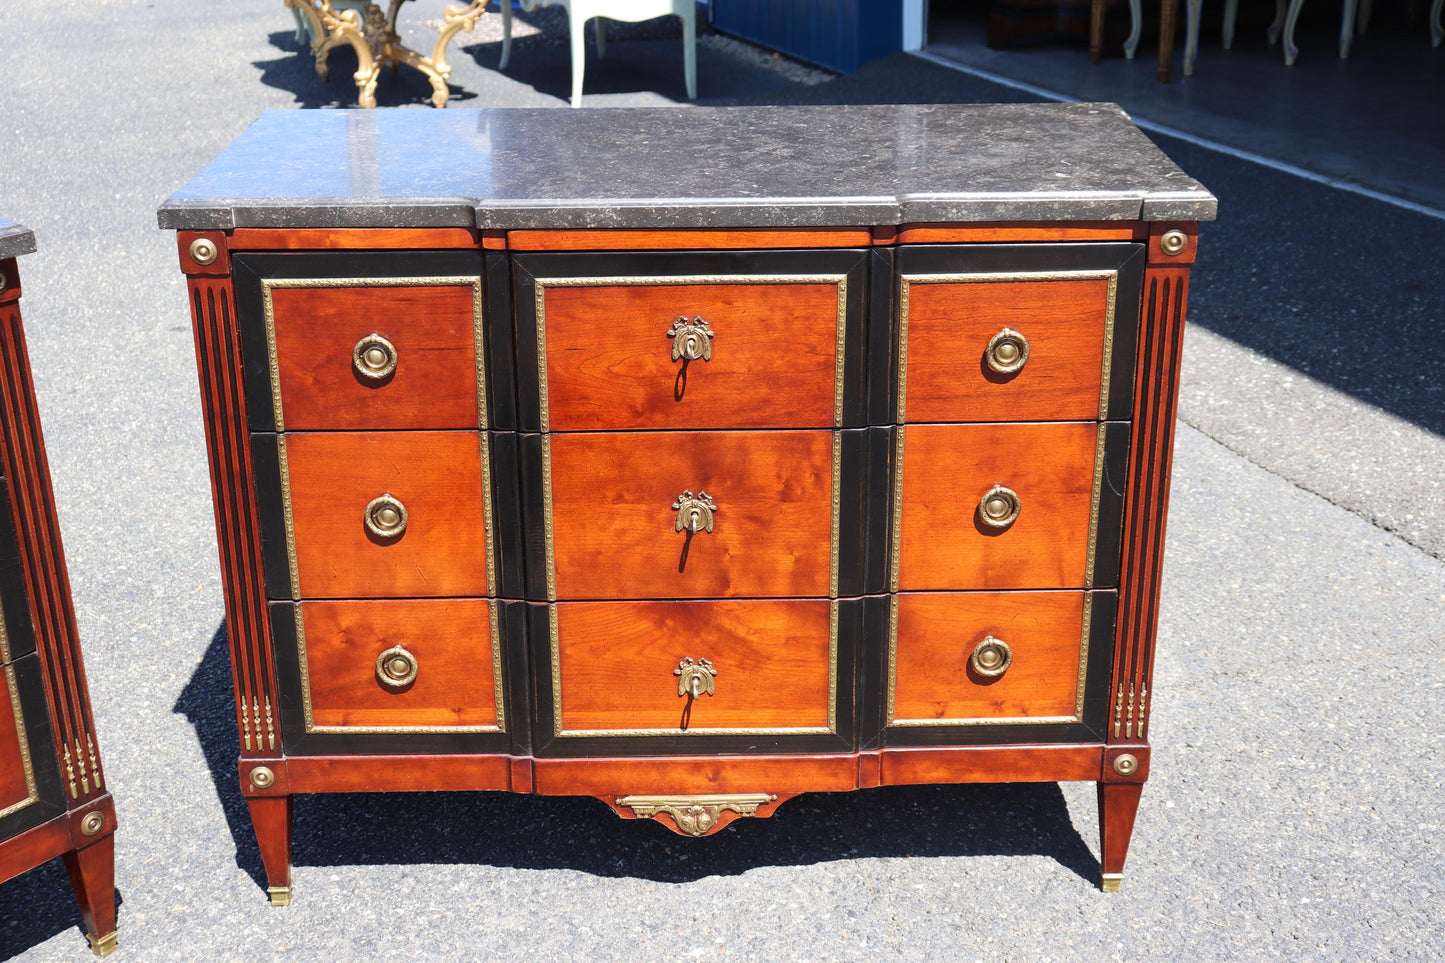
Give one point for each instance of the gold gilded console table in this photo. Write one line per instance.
(372, 34)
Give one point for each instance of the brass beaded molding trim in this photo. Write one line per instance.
(1078, 715)
(830, 729)
(493, 617)
(23, 736)
(478, 351)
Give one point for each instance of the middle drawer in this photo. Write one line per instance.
(692, 514)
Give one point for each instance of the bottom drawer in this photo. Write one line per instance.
(670, 668)
(391, 668)
(999, 659)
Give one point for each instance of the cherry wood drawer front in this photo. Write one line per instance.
(1017, 332)
(1064, 324)
(617, 667)
(933, 682)
(615, 501)
(438, 478)
(772, 356)
(712, 340)
(357, 657)
(332, 347)
(1057, 472)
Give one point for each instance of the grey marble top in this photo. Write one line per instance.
(15, 239)
(688, 167)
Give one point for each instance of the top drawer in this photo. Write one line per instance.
(1009, 332)
(709, 340)
(341, 342)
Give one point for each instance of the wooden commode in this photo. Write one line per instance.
(690, 459)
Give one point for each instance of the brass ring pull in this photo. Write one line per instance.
(695, 679)
(999, 507)
(1007, 351)
(374, 358)
(691, 340)
(694, 512)
(396, 668)
(991, 657)
(385, 516)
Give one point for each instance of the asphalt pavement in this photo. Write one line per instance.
(1293, 810)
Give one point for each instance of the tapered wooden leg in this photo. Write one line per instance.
(1167, 11)
(1118, 805)
(271, 817)
(1096, 30)
(92, 875)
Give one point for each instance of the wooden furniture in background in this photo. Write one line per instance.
(53, 797)
(689, 494)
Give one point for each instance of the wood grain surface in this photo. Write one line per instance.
(947, 469)
(609, 357)
(450, 640)
(686, 240)
(1015, 231)
(937, 634)
(1062, 763)
(432, 328)
(949, 327)
(617, 662)
(614, 528)
(436, 475)
(347, 239)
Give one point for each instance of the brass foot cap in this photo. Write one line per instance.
(1112, 882)
(279, 895)
(102, 945)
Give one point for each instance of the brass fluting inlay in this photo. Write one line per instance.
(694, 512)
(385, 516)
(1173, 242)
(695, 679)
(263, 777)
(999, 507)
(92, 824)
(1126, 764)
(396, 668)
(374, 358)
(204, 251)
(991, 657)
(1007, 351)
(691, 340)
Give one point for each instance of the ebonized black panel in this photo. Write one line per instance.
(878, 506)
(507, 532)
(528, 268)
(271, 508)
(1096, 699)
(500, 336)
(882, 344)
(1125, 257)
(872, 654)
(40, 738)
(19, 630)
(248, 270)
(1108, 539)
(548, 744)
(534, 511)
(295, 740)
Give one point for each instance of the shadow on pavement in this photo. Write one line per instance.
(582, 834)
(51, 909)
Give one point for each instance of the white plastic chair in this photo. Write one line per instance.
(631, 11)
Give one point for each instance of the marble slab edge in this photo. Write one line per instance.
(689, 213)
(15, 240)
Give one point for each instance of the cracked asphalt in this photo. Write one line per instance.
(1293, 811)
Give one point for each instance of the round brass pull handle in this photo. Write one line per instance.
(991, 657)
(374, 358)
(998, 507)
(694, 512)
(396, 668)
(385, 516)
(691, 340)
(695, 679)
(1007, 351)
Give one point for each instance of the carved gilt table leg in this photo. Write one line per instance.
(376, 42)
